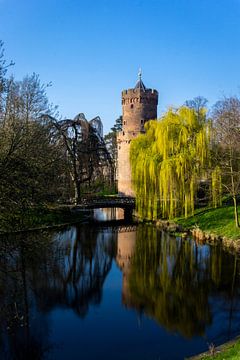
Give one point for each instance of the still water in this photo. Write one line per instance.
(122, 292)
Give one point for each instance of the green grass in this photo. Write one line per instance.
(218, 221)
(231, 351)
(39, 217)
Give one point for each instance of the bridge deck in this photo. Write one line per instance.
(107, 202)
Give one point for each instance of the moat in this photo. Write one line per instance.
(128, 292)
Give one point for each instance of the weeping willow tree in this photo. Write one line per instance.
(168, 162)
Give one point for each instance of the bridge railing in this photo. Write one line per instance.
(96, 200)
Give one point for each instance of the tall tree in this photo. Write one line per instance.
(168, 162)
(198, 103)
(30, 160)
(111, 142)
(226, 126)
(3, 70)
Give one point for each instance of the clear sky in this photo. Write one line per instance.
(91, 49)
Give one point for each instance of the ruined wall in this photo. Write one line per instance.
(138, 106)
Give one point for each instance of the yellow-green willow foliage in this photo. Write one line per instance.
(168, 161)
(216, 186)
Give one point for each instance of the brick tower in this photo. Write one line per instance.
(139, 105)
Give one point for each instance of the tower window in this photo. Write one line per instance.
(131, 106)
(124, 123)
(142, 121)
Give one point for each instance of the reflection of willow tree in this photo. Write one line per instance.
(75, 278)
(171, 279)
(40, 271)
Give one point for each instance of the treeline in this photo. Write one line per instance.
(186, 155)
(43, 160)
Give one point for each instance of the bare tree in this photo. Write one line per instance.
(111, 143)
(86, 150)
(199, 104)
(3, 70)
(226, 127)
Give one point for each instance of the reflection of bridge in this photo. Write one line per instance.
(97, 202)
(117, 228)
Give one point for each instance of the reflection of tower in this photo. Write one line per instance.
(125, 250)
(139, 105)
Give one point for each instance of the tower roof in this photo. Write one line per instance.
(140, 85)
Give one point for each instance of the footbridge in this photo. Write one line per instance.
(97, 202)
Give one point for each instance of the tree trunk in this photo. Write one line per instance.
(234, 191)
(236, 211)
(77, 192)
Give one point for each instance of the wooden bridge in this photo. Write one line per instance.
(96, 202)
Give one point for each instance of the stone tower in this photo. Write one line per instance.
(138, 106)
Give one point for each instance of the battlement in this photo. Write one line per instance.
(139, 96)
(140, 99)
(133, 92)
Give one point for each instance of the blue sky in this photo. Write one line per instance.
(91, 50)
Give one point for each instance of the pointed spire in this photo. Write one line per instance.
(139, 73)
(140, 85)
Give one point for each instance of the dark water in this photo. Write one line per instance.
(120, 293)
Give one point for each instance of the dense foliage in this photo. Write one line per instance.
(169, 161)
(44, 160)
(41, 161)
(30, 159)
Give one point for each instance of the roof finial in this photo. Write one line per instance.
(140, 85)
(140, 73)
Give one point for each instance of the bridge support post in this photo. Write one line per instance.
(128, 213)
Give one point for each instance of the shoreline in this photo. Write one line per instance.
(199, 235)
(61, 217)
(216, 350)
(173, 227)
(85, 219)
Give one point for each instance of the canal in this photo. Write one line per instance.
(122, 292)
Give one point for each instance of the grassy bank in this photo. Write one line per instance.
(218, 221)
(40, 217)
(230, 350)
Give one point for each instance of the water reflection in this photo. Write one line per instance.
(42, 271)
(181, 286)
(108, 214)
(171, 279)
(24, 335)
(78, 268)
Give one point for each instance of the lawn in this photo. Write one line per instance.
(228, 351)
(218, 221)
